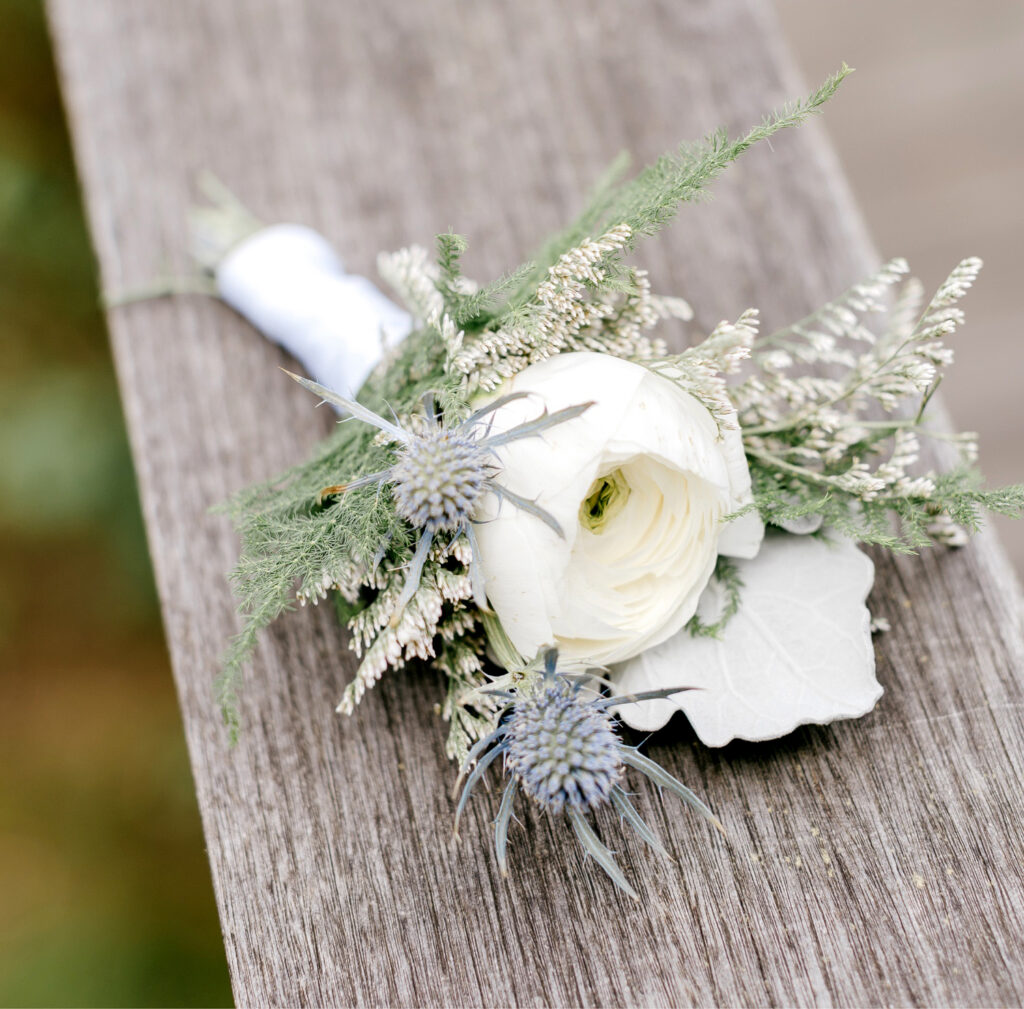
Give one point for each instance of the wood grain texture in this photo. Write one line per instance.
(874, 862)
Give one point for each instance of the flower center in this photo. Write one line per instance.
(563, 750)
(438, 478)
(606, 498)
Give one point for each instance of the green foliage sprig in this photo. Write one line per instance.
(648, 202)
(727, 581)
(845, 445)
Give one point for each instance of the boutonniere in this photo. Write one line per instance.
(580, 530)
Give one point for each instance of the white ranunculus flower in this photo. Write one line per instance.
(640, 485)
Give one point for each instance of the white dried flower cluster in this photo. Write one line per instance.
(470, 707)
(347, 579)
(436, 625)
(823, 430)
(944, 530)
(879, 625)
(701, 370)
(413, 275)
(436, 612)
(573, 309)
(450, 335)
(314, 591)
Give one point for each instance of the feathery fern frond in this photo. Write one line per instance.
(649, 201)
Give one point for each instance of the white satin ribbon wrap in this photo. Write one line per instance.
(291, 285)
(798, 651)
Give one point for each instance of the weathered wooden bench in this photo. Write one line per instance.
(875, 862)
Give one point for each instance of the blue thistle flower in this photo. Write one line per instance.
(441, 473)
(439, 478)
(560, 747)
(563, 750)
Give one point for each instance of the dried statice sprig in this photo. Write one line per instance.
(414, 277)
(388, 633)
(561, 748)
(843, 445)
(567, 314)
(702, 370)
(470, 710)
(439, 626)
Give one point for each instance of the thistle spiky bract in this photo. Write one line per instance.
(439, 475)
(560, 747)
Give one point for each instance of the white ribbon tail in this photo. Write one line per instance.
(289, 283)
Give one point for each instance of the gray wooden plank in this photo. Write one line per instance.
(876, 862)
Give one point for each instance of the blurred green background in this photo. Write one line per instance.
(104, 886)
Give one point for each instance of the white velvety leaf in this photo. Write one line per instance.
(798, 650)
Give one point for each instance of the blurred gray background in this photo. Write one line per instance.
(105, 889)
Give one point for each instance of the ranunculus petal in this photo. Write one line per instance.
(524, 560)
(742, 536)
(798, 651)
